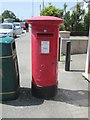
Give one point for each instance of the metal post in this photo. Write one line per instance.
(68, 52)
(40, 8)
(32, 8)
(43, 7)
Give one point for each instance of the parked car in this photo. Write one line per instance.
(7, 29)
(18, 28)
(23, 25)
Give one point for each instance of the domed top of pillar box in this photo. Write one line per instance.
(45, 20)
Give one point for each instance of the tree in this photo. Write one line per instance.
(18, 20)
(52, 11)
(87, 21)
(8, 14)
(65, 6)
(67, 20)
(73, 21)
(77, 17)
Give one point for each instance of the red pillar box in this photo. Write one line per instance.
(45, 35)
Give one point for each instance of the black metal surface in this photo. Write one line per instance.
(44, 92)
(68, 52)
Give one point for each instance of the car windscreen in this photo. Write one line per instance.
(17, 24)
(6, 26)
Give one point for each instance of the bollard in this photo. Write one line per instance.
(67, 61)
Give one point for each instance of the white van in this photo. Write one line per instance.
(18, 28)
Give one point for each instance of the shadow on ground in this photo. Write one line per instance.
(25, 99)
(82, 71)
(74, 97)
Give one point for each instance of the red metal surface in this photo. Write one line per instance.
(45, 66)
(45, 20)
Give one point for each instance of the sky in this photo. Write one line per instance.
(23, 8)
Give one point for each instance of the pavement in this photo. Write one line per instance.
(71, 100)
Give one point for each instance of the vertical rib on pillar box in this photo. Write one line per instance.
(45, 38)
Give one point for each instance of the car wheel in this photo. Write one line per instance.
(14, 36)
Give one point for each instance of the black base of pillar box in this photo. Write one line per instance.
(44, 92)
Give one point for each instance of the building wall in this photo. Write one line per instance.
(78, 45)
(84, 5)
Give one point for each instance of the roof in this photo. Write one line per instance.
(9, 20)
(75, 6)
